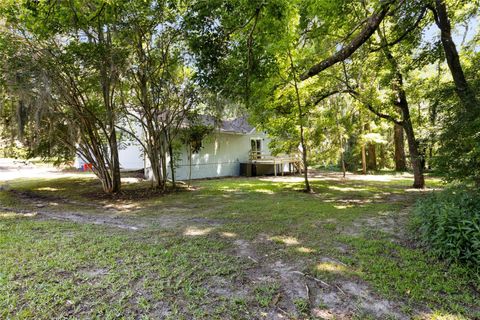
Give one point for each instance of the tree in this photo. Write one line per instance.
(160, 92)
(459, 158)
(400, 161)
(462, 88)
(74, 44)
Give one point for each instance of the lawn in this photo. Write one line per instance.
(244, 248)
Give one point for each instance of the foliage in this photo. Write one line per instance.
(459, 159)
(74, 73)
(194, 135)
(448, 222)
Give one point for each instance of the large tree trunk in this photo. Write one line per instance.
(419, 180)
(401, 102)
(163, 162)
(189, 164)
(107, 81)
(340, 139)
(153, 155)
(398, 139)
(115, 166)
(371, 157)
(172, 162)
(464, 91)
(22, 115)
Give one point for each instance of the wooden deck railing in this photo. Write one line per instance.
(278, 162)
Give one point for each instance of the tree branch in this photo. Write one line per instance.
(326, 95)
(405, 34)
(354, 94)
(371, 25)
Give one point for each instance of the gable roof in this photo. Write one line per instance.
(238, 125)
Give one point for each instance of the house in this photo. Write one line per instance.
(234, 148)
(222, 151)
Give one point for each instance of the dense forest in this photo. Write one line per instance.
(352, 84)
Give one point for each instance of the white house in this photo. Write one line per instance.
(234, 148)
(222, 151)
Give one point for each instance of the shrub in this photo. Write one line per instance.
(448, 222)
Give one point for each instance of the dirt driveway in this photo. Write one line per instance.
(11, 169)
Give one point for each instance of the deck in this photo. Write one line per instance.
(293, 163)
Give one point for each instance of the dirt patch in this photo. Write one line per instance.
(112, 215)
(353, 298)
(223, 287)
(93, 272)
(77, 217)
(390, 222)
(337, 299)
(41, 200)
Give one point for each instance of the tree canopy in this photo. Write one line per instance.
(339, 82)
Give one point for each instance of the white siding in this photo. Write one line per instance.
(220, 156)
(130, 152)
(131, 157)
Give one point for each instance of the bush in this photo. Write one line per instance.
(448, 222)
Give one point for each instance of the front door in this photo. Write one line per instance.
(256, 148)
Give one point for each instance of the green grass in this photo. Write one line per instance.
(265, 293)
(80, 270)
(399, 271)
(69, 269)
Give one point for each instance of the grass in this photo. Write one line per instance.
(53, 268)
(193, 267)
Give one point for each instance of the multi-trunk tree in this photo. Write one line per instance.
(74, 47)
(160, 93)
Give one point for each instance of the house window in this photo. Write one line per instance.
(256, 148)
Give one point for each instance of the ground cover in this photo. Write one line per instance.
(237, 248)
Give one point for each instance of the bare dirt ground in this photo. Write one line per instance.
(11, 169)
(335, 299)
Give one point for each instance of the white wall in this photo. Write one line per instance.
(220, 156)
(131, 157)
(130, 152)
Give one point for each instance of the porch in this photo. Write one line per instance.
(266, 164)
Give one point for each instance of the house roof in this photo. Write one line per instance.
(238, 125)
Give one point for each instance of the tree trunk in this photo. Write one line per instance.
(115, 169)
(418, 178)
(189, 164)
(300, 120)
(107, 82)
(401, 102)
(153, 152)
(364, 159)
(22, 115)
(342, 154)
(371, 157)
(464, 91)
(398, 139)
(172, 162)
(163, 162)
